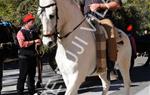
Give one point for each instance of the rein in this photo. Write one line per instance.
(65, 36)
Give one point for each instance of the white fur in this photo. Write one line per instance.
(76, 54)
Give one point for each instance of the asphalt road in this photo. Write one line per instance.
(53, 83)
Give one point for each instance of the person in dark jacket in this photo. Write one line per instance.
(27, 40)
(6, 45)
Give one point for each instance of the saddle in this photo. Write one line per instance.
(101, 36)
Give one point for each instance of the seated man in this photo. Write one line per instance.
(100, 6)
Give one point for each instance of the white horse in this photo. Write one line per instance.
(76, 52)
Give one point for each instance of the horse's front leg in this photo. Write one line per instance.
(105, 83)
(75, 81)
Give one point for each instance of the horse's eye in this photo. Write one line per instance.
(51, 16)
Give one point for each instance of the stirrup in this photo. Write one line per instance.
(39, 84)
(112, 75)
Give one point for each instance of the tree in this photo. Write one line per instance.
(7, 9)
(14, 10)
(26, 6)
(134, 13)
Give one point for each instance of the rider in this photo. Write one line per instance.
(27, 40)
(92, 6)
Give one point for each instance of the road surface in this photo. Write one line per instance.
(53, 83)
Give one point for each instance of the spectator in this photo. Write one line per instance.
(27, 40)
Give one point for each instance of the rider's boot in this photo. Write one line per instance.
(111, 57)
(111, 72)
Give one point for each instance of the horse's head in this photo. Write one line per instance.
(47, 14)
(63, 18)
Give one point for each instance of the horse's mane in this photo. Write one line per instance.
(72, 1)
(79, 3)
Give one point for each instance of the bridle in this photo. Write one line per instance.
(44, 7)
(42, 10)
(56, 33)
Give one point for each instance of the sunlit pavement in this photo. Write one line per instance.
(54, 85)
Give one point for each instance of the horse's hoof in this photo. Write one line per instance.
(38, 85)
(37, 93)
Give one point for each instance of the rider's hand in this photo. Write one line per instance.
(38, 41)
(94, 7)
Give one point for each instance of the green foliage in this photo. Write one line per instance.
(135, 12)
(7, 10)
(43, 49)
(26, 6)
(14, 10)
(139, 10)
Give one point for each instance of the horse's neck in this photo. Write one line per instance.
(80, 43)
(69, 15)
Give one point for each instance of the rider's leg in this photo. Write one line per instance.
(110, 43)
(101, 49)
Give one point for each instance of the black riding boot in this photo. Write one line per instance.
(111, 70)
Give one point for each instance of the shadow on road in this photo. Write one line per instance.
(140, 74)
(93, 84)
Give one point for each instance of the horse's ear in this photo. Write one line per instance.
(38, 12)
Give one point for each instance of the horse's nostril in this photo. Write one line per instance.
(52, 44)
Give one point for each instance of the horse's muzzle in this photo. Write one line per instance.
(51, 44)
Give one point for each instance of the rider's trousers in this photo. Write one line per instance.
(111, 41)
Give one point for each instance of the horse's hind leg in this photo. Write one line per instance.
(124, 69)
(75, 81)
(105, 83)
(124, 59)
